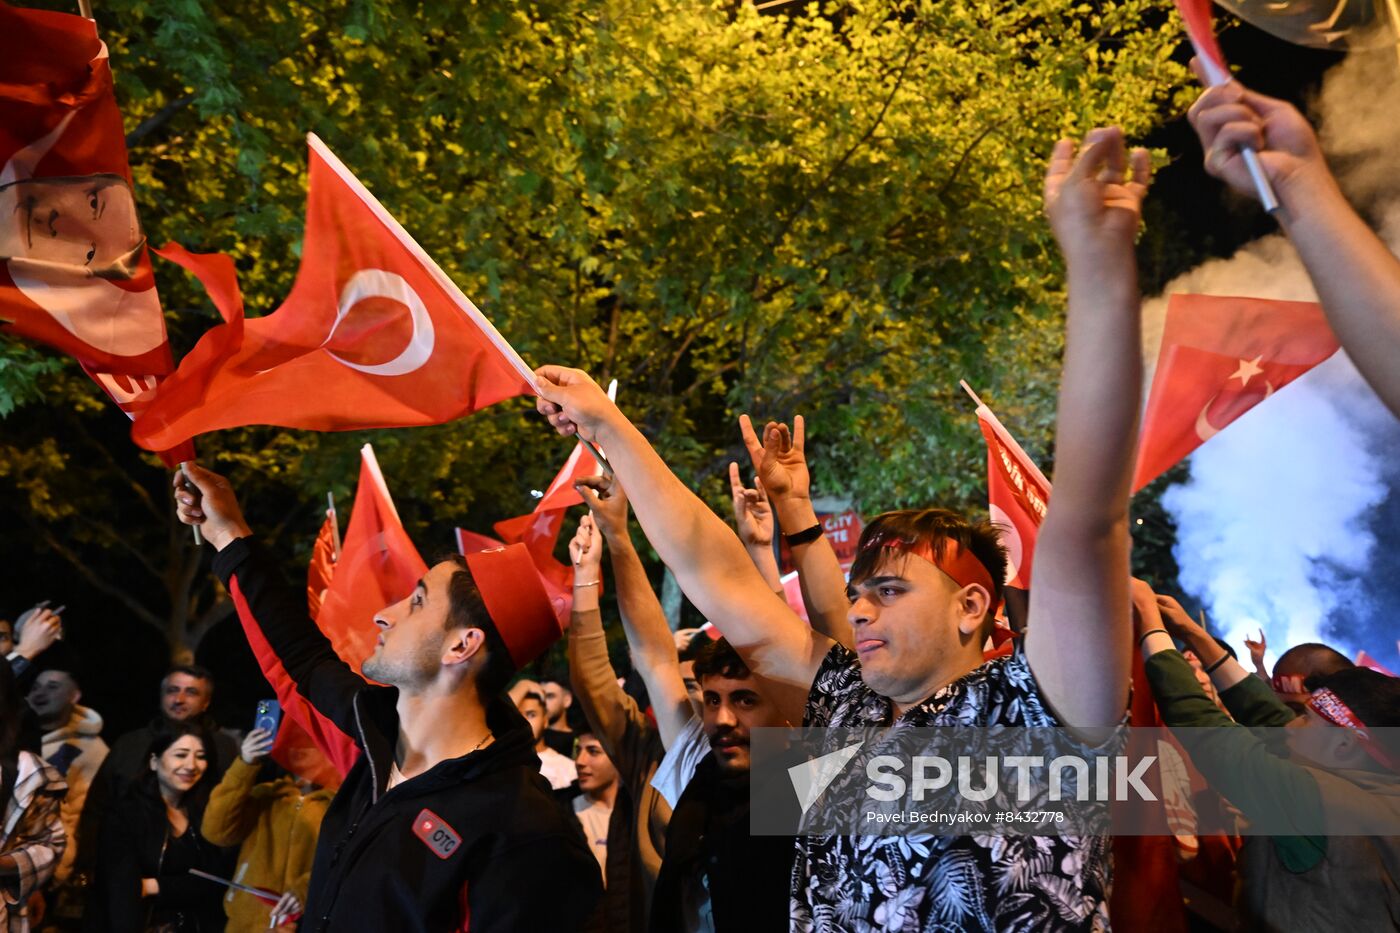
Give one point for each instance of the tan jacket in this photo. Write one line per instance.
(277, 827)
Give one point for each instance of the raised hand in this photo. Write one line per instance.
(1176, 619)
(38, 630)
(586, 551)
(779, 460)
(1231, 117)
(256, 746)
(1257, 649)
(211, 505)
(753, 515)
(1093, 195)
(572, 401)
(607, 503)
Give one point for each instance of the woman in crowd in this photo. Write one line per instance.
(151, 840)
(31, 833)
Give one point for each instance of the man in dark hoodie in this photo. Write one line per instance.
(444, 822)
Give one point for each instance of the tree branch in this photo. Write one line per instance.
(156, 120)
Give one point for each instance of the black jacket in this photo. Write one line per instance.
(747, 877)
(472, 844)
(135, 844)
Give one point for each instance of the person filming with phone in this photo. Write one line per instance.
(275, 819)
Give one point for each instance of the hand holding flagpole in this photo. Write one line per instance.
(1196, 16)
(198, 536)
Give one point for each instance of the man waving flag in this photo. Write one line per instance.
(373, 335)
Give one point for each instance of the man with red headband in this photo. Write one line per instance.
(444, 821)
(1340, 769)
(925, 588)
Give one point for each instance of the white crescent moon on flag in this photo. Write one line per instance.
(1205, 430)
(377, 283)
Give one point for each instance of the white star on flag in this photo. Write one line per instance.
(1248, 370)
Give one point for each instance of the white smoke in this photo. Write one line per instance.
(1275, 525)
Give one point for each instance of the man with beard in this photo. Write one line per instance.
(715, 874)
(444, 821)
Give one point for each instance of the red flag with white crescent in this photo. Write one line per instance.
(374, 334)
(1219, 358)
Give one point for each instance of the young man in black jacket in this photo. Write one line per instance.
(444, 823)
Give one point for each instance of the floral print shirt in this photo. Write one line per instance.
(909, 883)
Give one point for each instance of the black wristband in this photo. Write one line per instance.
(805, 536)
(1143, 637)
(1223, 658)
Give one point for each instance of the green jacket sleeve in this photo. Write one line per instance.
(1234, 760)
(1254, 703)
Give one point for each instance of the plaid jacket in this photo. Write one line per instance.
(33, 834)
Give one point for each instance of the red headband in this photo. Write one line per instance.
(1331, 708)
(957, 562)
(514, 596)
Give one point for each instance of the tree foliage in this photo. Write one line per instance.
(833, 210)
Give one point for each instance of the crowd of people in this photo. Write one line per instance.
(583, 799)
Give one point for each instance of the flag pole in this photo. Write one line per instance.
(1216, 75)
(85, 9)
(335, 525)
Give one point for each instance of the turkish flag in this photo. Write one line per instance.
(321, 570)
(1219, 358)
(378, 566)
(469, 542)
(539, 530)
(75, 272)
(373, 335)
(1017, 493)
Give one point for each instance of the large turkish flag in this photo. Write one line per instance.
(373, 335)
(1219, 358)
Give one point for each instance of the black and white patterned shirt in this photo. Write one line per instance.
(884, 884)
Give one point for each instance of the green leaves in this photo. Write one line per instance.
(834, 210)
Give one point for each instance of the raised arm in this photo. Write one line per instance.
(643, 621)
(780, 467)
(1079, 634)
(1357, 278)
(258, 588)
(708, 560)
(614, 716)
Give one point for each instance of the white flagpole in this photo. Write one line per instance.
(1216, 76)
(335, 525)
